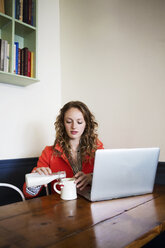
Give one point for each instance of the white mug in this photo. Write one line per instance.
(68, 189)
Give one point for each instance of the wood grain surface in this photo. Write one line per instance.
(51, 222)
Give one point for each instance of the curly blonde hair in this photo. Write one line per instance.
(88, 142)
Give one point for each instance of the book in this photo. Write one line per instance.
(4, 55)
(14, 60)
(30, 12)
(5, 69)
(25, 11)
(32, 64)
(25, 61)
(16, 56)
(19, 61)
(1, 55)
(2, 6)
(33, 10)
(21, 10)
(22, 62)
(17, 9)
(8, 57)
(29, 64)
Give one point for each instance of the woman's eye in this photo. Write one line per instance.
(79, 122)
(68, 122)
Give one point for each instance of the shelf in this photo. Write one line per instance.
(14, 30)
(4, 19)
(9, 78)
(26, 27)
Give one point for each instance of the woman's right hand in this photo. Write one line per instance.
(43, 170)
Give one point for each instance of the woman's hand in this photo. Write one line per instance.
(43, 170)
(82, 179)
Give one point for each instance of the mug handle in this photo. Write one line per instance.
(58, 191)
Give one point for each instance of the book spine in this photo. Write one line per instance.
(25, 11)
(21, 11)
(2, 54)
(32, 64)
(17, 9)
(19, 61)
(5, 55)
(16, 57)
(25, 61)
(32, 21)
(22, 61)
(2, 6)
(29, 63)
(8, 57)
(30, 12)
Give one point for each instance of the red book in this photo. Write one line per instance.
(19, 61)
(22, 62)
(29, 63)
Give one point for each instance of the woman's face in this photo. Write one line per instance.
(74, 123)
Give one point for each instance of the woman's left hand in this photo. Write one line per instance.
(82, 179)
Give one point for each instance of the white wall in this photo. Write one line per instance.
(27, 114)
(113, 59)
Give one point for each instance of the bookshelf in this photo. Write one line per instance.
(17, 29)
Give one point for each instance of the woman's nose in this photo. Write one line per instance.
(73, 124)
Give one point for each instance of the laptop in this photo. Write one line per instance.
(121, 173)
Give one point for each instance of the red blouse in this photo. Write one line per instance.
(60, 163)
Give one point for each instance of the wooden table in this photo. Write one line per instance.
(51, 222)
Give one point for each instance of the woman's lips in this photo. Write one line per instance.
(74, 132)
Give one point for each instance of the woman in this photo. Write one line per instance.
(74, 147)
